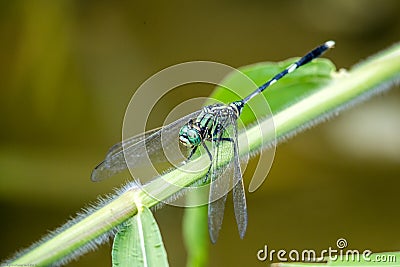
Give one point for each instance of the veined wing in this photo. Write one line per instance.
(114, 161)
(118, 147)
(239, 196)
(157, 145)
(221, 177)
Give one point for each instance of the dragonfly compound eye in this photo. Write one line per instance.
(194, 137)
(189, 137)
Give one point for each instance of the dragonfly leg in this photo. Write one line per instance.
(209, 168)
(191, 153)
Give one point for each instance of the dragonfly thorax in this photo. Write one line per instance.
(237, 107)
(208, 124)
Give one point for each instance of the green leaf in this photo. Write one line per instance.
(139, 242)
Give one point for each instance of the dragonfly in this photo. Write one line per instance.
(214, 128)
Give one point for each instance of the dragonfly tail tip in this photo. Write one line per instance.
(330, 44)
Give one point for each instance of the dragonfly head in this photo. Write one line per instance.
(189, 136)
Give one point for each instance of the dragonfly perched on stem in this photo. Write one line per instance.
(214, 129)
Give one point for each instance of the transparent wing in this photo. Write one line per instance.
(222, 150)
(118, 147)
(239, 196)
(160, 145)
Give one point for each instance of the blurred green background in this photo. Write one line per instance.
(68, 69)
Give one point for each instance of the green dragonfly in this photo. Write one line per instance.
(214, 129)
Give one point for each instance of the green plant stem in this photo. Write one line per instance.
(350, 87)
(80, 233)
